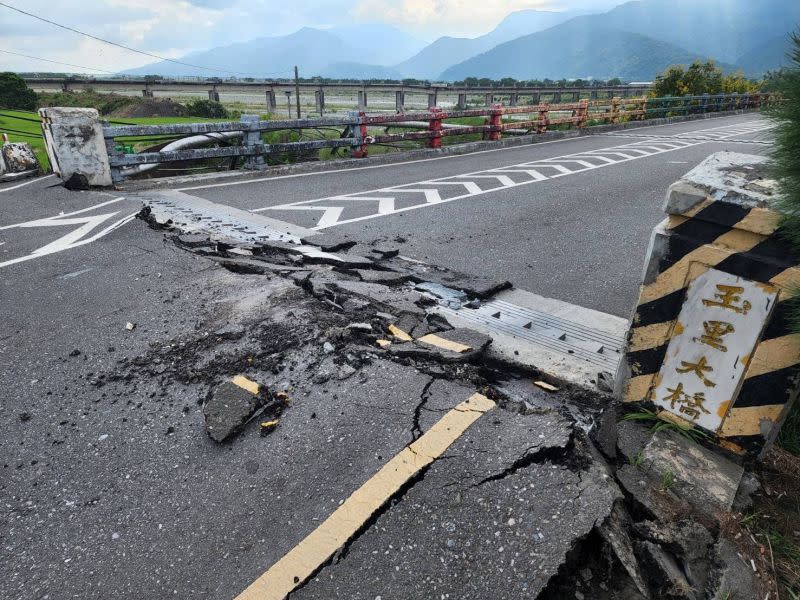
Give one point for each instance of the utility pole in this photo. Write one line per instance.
(297, 90)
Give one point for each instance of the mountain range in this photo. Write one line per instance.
(633, 41)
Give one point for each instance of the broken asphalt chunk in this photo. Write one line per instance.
(385, 251)
(387, 277)
(329, 241)
(230, 405)
(456, 345)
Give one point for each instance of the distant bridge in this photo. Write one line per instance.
(360, 91)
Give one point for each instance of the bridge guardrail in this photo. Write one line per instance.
(359, 128)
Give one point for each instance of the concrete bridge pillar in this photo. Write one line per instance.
(462, 100)
(319, 100)
(432, 98)
(489, 99)
(213, 95)
(556, 97)
(400, 101)
(272, 104)
(362, 99)
(147, 93)
(513, 98)
(536, 97)
(593, 94)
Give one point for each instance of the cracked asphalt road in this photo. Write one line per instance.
(109, 486)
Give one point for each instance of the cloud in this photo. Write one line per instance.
(440, 17)
(175, 28)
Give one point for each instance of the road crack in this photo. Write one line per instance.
(425, 394)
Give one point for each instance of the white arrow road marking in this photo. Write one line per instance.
(74, 238)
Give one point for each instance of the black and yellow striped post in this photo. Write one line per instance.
(719, 224)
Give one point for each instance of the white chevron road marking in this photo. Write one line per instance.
(560, 166)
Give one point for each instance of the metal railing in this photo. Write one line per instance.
(357, 136)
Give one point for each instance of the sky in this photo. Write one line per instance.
(173, 28)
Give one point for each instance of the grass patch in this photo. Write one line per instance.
(22, 126)
(783, 551)
(789, 438)
(659, 423)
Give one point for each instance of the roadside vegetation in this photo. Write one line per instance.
(786, 165)
(702, 78)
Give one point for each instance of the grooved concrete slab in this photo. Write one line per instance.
(563, 340)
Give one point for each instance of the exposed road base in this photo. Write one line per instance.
(564, 341)
(520, 503)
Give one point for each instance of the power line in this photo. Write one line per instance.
(55, 61)
(94, 37)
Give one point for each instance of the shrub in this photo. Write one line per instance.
(208, 109)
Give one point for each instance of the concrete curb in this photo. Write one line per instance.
(418, 154)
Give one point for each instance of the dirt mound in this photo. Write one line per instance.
(151, 107)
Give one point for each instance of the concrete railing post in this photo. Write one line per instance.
(252, 139)
(711, 344)
(360, 133)
(583, 114)
(615, 102)
(544, 120)
(75, 144)
(496, 123)
(435, 126)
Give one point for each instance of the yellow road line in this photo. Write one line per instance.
(440, 342)
(246, 384)
(399, 333)
(302, 561)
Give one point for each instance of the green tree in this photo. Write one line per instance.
(15, 93)
(786, 167)
(701, 78)
(786, 156)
